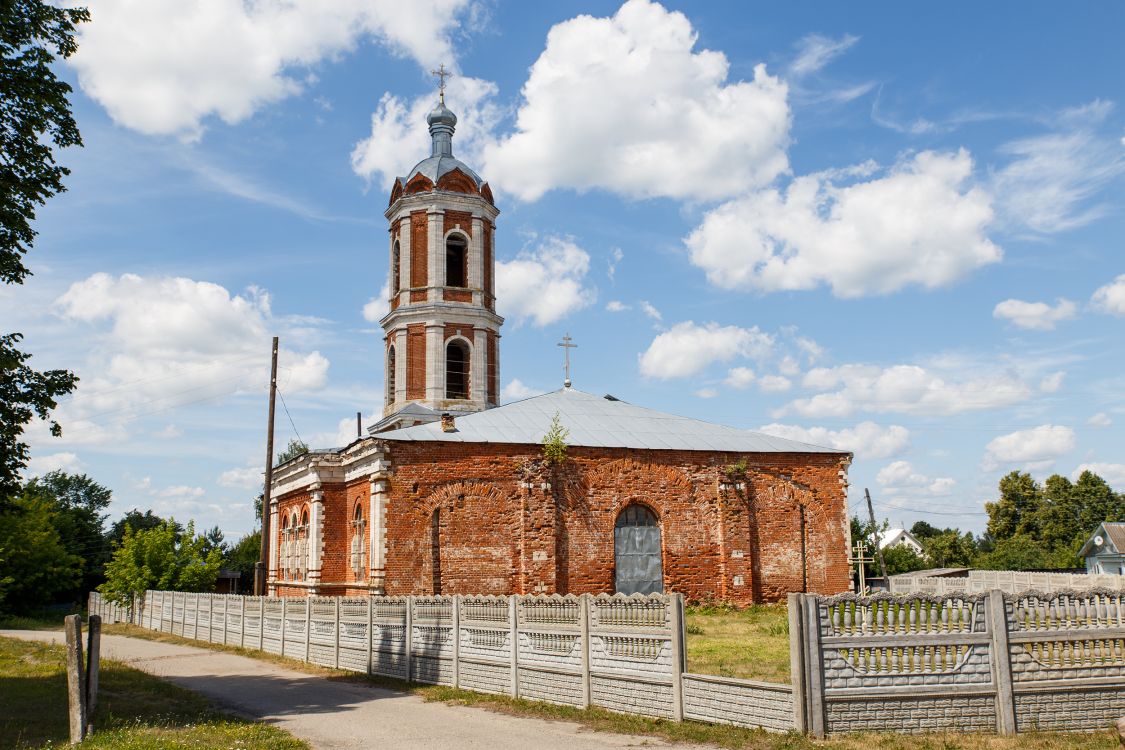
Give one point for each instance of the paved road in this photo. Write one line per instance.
(332, 714)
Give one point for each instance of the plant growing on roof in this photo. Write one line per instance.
(554, 442)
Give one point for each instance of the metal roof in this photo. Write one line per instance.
(1115, 534)
(599, 422)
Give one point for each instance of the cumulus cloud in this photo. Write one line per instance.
(919, 223)
(906, 389)
(774, 383)
(544, 284)
(516, 390)
(899, 477)
(739, 377)
(687, 348)
(247, 478)
(1113, 474)
(616, 306)
(1111, 297)
(1035, 316)
(162, 67)
(865, 440)
(63, 461)
(1036, 448)
(157, 343)
(379, 305)
(400, 136)
(1101, 419)
(627, 104)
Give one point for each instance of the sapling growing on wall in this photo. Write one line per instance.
(554, 442)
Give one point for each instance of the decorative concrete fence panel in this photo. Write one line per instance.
(962, 662)
(1009, 581)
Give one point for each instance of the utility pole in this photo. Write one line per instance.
(359, 424)
(262, 569)
(878, 546)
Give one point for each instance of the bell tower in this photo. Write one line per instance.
(442, 333)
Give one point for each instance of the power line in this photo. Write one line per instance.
(291, 422)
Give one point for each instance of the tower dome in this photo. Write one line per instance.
(441, 170)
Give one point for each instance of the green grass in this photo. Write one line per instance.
(135, 710)
(751, 643)
(45, 619)
(601, 720)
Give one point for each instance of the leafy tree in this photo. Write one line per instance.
(161, 558)
(35, 119)
(1020, 552)
(294, 449)
(35, 567)
(78, 506)
(244, 554)
(950, 549)
(554, 442)
(213, 539)
(923, 530)
(134, 520)
(1019, 509)
(901, 558)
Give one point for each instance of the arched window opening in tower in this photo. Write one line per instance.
(456, 370)
(396, 268)
(456, 261)
(391, 366)
(359, 548)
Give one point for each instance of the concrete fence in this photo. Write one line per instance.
(1009, 581)
(987, 662)
(623, 653)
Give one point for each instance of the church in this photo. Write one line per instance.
(451, 492)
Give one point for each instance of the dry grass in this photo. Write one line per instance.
(726, 626)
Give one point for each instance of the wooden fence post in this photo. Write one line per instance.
(93, 657)
(456, 640)
(75, 679)
(678, 656)
(797, 663)
(816, 723)
(408, 636)
(584, 628)
(1001, 662)
(514, 630)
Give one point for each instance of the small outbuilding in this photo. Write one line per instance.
(1104, 551)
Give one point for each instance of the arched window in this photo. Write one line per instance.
(396, 268)
(391, 366)
(359, 559)
(636, 551)
(456, 261)
(456, 370)
(303, 546)
(283, 553)
(435, 550)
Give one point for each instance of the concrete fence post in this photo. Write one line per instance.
(75, 679)
(284, 601)
(261, 622)
(584, 625)
(679, 657)
(997, 616)
(308, 624)
(816, 723)
(211, 619)
(408, 636)
(797, 663)
(456, 634)
(195, 623)
(241, 621)
(336, 633)
(514, 635)
(370, 633)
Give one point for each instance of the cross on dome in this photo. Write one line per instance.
(442, 74)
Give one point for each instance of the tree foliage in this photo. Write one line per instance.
(244, 554)
(554, 442)
(134, 520)
(161, 558)
(78, 505)
(294, 449)
(35, 566)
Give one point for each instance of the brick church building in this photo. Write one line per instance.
(452, 493)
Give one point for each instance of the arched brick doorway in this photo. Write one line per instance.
(636, 552)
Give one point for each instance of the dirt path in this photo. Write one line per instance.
(332, 714)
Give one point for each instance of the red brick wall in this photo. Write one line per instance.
(419, 253)
(462, 220)
(416, 361)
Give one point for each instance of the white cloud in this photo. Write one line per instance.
(814, 51)
(774, 383)
(63, 461)
(379, 305)
(544, 284)
(163, 67)
(400, 136)
(158, 343)
(812, 350)
(789, 366)
(706, 393)
(650, 310)
(739, 377)
(1049, 182)
(866, 440)
(614, 260)
(180, 491)
(1101, 419)
(516, 390)
(1036, 448)
(1111, 297)
(1052, 383)
(1035, 316)
(1113, 474)
(907, 389)
(920, 223)
(688, 348)
(169, 432)
(899, 477)
(248, 478)
(626, 104)
(616, 306)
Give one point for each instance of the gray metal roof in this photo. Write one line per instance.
(1114, 533)
(436, 167)
(441, 161)
(600, 422)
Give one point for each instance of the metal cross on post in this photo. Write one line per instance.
(442, 74)
(567, 346)
(859, 560)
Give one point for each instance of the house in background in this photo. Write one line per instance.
(896, 537)
(1105, 549)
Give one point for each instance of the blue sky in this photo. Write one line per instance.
(893, 229)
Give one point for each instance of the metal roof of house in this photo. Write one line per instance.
(1114, 532)
(600, 422)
